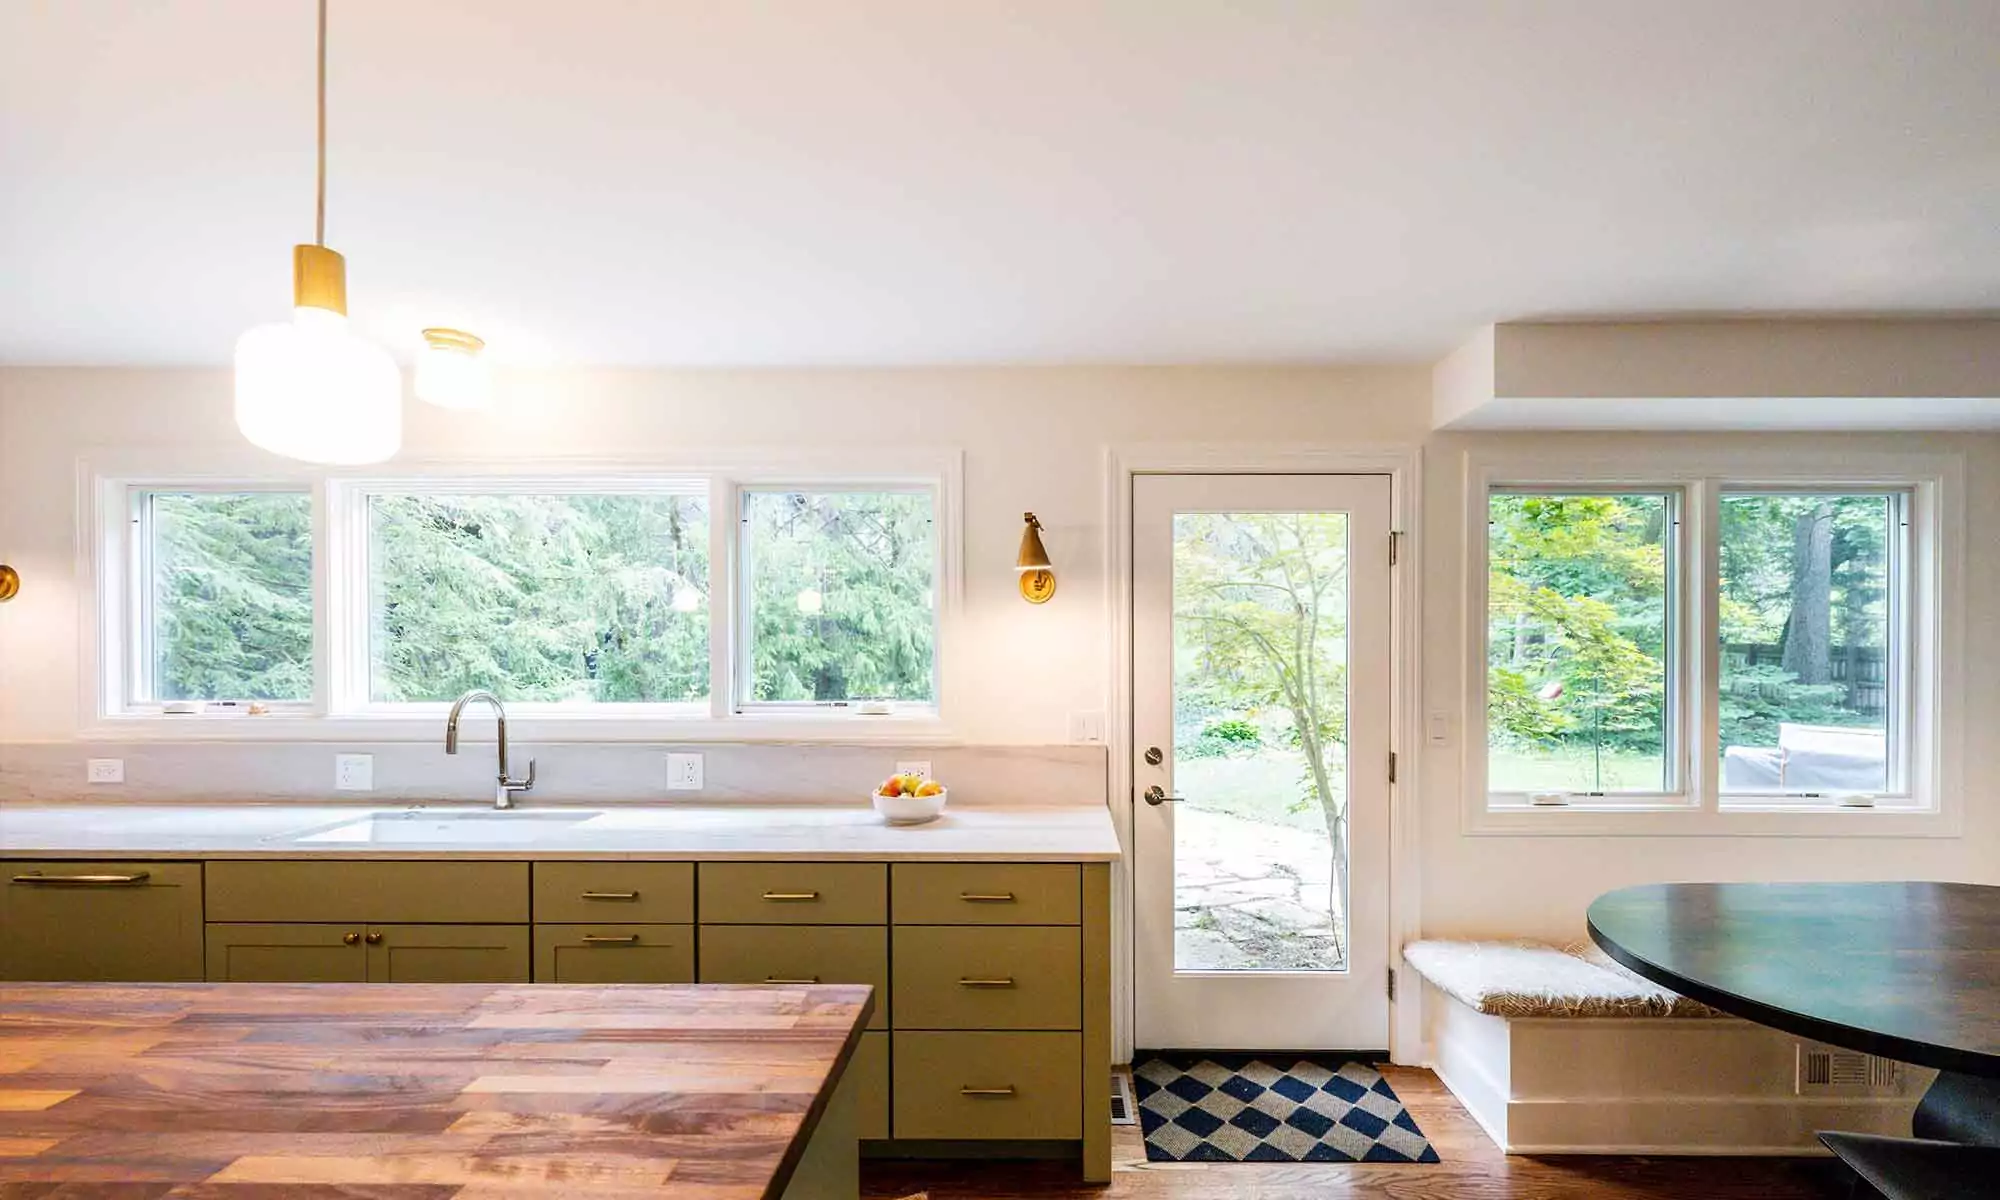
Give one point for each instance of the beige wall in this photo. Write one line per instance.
(1032, 439)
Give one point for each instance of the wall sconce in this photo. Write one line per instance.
(10, 583)
(1038, 581)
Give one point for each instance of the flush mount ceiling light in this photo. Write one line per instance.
(452, 371)
(308, 388)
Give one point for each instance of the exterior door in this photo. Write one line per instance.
(1261, 722)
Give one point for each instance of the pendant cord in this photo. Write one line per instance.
(319, 208)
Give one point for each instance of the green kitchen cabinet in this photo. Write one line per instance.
(358, 953)
(100, 922)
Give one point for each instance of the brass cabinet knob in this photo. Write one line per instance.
(350, 939)
(373, 938)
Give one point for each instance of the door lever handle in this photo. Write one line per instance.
(1156, 796)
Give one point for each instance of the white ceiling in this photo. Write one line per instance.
(905, 181)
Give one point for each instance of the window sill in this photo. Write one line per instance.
(1636, 820)
(544, 728)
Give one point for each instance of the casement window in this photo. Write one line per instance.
(1764, 642)
(839, 599)
(686, 598)
(219, 611)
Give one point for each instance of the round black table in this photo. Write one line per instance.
(1909, 971)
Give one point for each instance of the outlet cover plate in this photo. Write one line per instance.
(919, 766)
(354, 772)
(104, 770)
(683, 772)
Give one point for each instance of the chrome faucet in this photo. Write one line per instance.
(503, 795)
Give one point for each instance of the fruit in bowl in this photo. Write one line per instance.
(909, 799)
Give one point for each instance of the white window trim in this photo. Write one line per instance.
(107, 478)
(1933, 579)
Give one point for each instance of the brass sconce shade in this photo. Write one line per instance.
(10, 583)
(1038, 581)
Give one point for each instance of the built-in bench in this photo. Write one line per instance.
(1560, 1050)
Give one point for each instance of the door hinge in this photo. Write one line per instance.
(1392, 983)
(1392, 766)
(1395, 546)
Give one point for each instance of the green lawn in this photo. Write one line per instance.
(1261, 787)
(1572, 771)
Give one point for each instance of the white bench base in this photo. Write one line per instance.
(1643, 1085)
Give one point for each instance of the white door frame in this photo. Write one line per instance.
(1403, 463)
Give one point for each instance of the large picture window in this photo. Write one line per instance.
(543, 598)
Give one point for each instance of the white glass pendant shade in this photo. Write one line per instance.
(309, 389)
(452, 370)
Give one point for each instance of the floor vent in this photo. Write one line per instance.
(1828, 1070)
(1123, 1110)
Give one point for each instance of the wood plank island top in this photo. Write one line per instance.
(696, 1092)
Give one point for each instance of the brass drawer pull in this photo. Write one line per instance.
(1004, 982)
(791, 897)
(779, 979)
(611, 895)
(999, 1091)
(350, 939)
(373, 938)
(987, 897)
(133, 880)
(610, 939)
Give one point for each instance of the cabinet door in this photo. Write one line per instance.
(614, 954)
(100, 921)
(447, 953)
(275, 953)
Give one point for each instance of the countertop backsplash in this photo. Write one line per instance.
(566, 773)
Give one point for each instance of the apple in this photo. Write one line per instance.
(893, 786)
(930, 787)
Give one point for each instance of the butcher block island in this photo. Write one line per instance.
(985, 936)
(670, 1093)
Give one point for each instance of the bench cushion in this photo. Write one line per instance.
(1531, 979)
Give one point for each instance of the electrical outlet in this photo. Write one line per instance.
(354, 772)
(917, 767)
(1086, 727)
(683, 772)
(104, 770)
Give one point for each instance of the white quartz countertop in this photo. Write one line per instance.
(1051, 833)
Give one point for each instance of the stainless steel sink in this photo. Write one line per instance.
(481, 827)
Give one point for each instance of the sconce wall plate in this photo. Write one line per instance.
(1038, 586)
(10, 583)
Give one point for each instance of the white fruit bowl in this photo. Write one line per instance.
(910, 810)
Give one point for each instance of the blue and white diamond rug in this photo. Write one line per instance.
(1241, 1108)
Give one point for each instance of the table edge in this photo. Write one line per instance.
(788, 1163)
(1847, 1037)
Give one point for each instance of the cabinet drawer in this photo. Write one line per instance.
(437, 892)
(988, 1085)
(998, 977)
(870, 1071)
(100, 921)
(985, 894)
(614, 954)
(802, 954)
(788, 893)
(631, 892)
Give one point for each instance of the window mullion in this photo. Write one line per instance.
(725, 623)
(1703, 669)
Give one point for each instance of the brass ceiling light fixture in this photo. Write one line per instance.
(309, 388)
(452, 370)
(1038, 578)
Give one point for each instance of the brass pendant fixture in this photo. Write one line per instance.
(1038, 579)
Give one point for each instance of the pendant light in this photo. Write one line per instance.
(308, 388)
(452, 370)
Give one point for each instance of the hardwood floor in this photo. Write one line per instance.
(1472, 1168)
